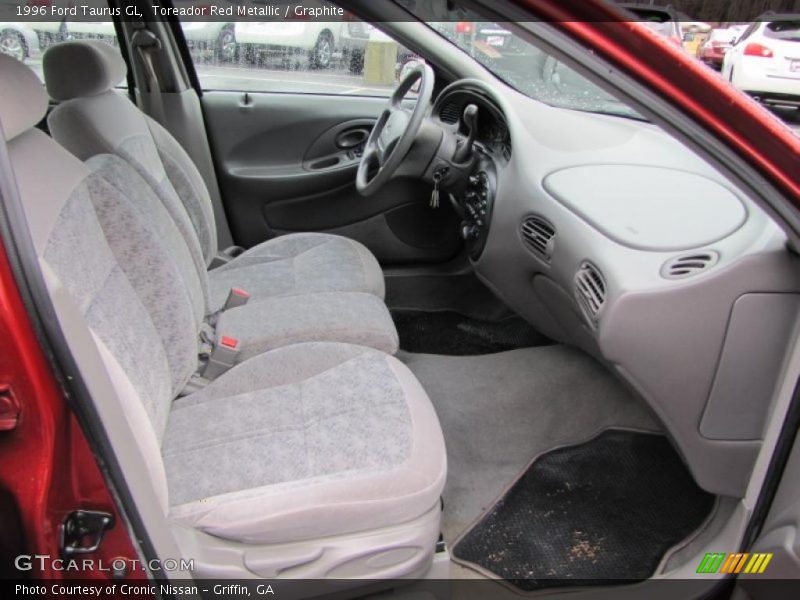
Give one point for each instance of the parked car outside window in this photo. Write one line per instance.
(765, 61)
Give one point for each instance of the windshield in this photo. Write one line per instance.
(515, 61)
(528, 69)
(787, 31)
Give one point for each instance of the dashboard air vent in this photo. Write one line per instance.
(590, 291)
(689, 264)
(539, 235)
(450, 112)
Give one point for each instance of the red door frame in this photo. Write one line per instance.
(46, 460)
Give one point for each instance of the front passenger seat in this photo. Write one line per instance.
(92, 118)
(312, 460)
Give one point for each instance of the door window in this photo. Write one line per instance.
(297, 54)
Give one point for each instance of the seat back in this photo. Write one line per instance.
(93, 118)
(103, 235)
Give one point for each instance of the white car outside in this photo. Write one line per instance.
(18, 40)
(765, 61)
(217, 37)
(317, 40)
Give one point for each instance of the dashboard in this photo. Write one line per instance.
(610, 235)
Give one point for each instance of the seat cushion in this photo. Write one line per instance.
(350, 317)
(296, 264)
(303, 442)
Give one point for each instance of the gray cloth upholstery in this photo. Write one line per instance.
(190, 187)
(350, 317)
(23, 102)
(304, 442)
(299, 263)
(108, 123)
(104, 121)
(135, 208)
(70, 240)
(101, 69)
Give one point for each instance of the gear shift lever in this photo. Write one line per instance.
(464, 151)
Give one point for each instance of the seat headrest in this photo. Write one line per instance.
(81, 68)
(23, 101)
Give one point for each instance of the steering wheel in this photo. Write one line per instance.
(395, 131)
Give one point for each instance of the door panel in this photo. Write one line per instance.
(287, 163)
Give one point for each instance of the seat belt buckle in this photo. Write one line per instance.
(223, 357)
(236, 298)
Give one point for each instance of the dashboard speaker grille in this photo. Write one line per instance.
(450, 112)
(539, 236)
(590, 291)
(689, 264)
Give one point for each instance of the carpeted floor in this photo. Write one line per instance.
(453, 334)
(499, 411)
(602, 512)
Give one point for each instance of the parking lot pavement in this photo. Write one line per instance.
(267, 79)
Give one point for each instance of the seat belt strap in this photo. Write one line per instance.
(206, 336)
(146, 44)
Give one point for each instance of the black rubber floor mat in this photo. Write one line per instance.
(453, 334)
(602, 512)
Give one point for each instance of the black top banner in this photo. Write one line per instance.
(53, 12)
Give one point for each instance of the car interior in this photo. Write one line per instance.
(471, 328)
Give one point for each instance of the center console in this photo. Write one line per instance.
(477, 201)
